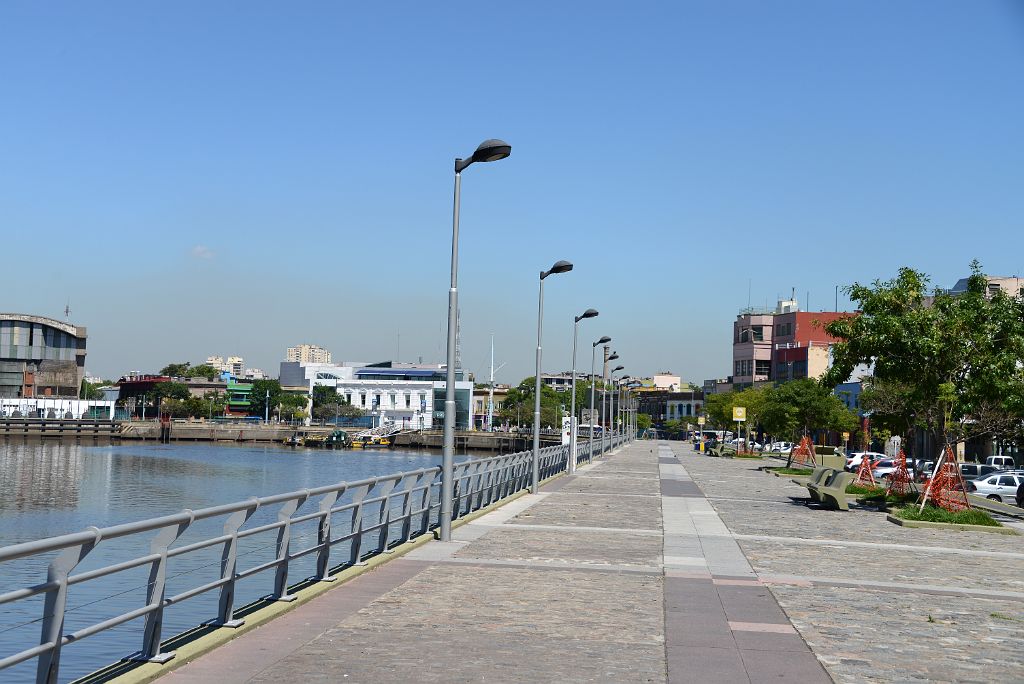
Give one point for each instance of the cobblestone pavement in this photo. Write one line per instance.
(623, 572)
(875, 602)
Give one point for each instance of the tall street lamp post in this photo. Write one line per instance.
(604, 394)
(589, 313)
(613, 401)
(593, 386)
(488, 151)
(557, 267)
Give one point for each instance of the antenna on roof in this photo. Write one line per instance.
(67, 311)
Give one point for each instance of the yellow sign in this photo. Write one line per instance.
(846, 436)
(739, 413)
(700, 420)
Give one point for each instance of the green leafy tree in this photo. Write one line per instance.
(518, 404)
(168, 390)
(957, 360)
(643, 421)
(176, 370)
(258, 398)
(203, 371)
(90, 391)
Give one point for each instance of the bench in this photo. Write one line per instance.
(817, 477)
(832, 492)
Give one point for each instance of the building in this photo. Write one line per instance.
(239, 399)
(481, 397)
(562, 382)
(663, 405)
(801, 347)
(1011, 285)
(308, 353)
(412, 394)
(665, 380)
(235, 365)
(40, 357)
(254, 374)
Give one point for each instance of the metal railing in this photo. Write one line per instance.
(365, 517)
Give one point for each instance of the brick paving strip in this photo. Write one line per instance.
(621, 573)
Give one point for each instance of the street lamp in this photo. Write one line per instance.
(557, 267)
(488, 151)
(593, 349)
(623, 383)
(604, 394)
(589, 313)
(612, 402)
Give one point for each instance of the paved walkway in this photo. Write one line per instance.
(621, 573)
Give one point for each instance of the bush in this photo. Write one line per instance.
(971, 516)
(791, 471)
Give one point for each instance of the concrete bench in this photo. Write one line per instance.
(832, 493)
(817, 477)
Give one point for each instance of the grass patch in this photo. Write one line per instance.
(931, 513)
(791, 471)
(865, 491)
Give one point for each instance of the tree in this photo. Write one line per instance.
(176, 370)
(258, 398)
(643, 421)
(90, 391)
(954, 361)
(203, 371)
(518, 404)
(168, 390)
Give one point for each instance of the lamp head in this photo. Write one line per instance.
(603, 340)
(617, 369)
(613, 356)
(488, 151)
(589, 313)
(557, 267)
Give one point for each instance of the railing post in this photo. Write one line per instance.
(52, 631)
(284, 536)
(384, 517)
(323, 537)
(228, 564)
(356, 525)
(157, 588)
(407, 503)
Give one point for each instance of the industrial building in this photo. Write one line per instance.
(40, 356)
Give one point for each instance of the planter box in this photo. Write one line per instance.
(950, 526)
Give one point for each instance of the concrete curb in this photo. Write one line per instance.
(186, 653)
(951, 526)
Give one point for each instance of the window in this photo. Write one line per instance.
(763, 368)
(758, 331)
(1007, 481)
(362, 399)
(408, 400)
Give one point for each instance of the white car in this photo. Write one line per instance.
(997, 486)
(780, 447)
(741, 442)
(854, 459)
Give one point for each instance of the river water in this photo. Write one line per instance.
(48, 489)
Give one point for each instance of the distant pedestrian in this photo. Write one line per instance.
(1020, 495)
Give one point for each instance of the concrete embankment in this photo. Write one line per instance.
(219, 432)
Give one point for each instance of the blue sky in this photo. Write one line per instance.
(231, 178)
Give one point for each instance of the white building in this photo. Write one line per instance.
(308, 353)
(411, 394)
(667, 381)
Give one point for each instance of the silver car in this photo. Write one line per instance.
(997, 486)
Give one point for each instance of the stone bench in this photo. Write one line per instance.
(817, 477)
(831, 492)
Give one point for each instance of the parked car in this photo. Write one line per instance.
(998, 486)
(741, 442)
(780, 448)
(854, 459)
(1000, 461)
(886, 467)
(972, 471)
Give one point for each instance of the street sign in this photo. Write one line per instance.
(846, 436)
(700, 420)
(739, 413)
